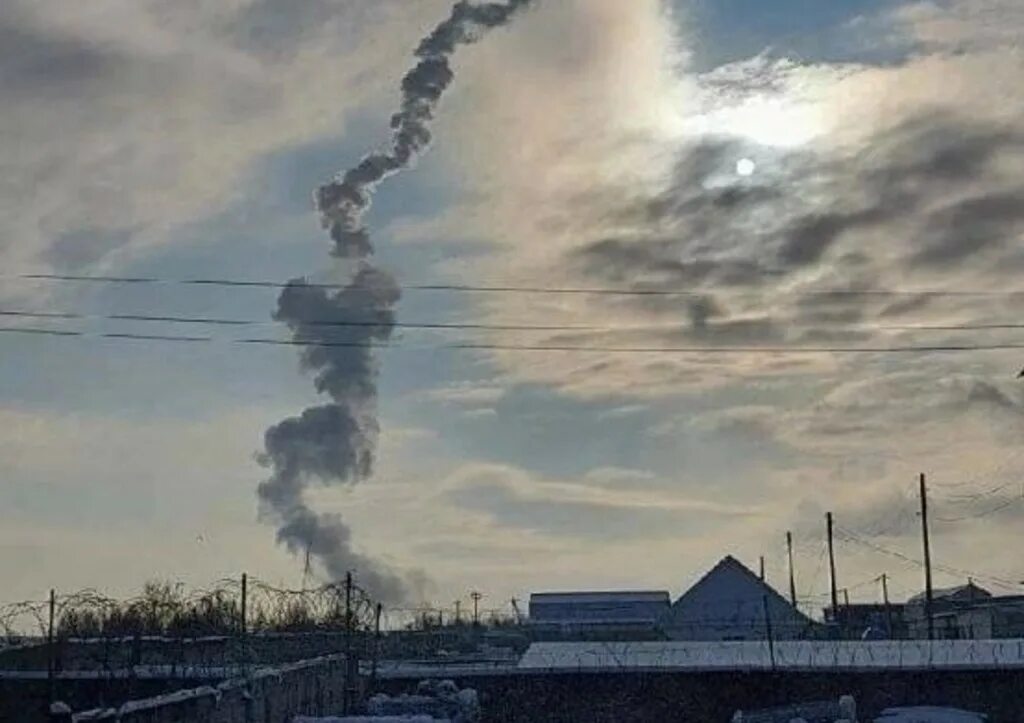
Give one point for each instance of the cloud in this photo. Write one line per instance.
(900, 176)
(468, 395)
(599, 506)
(134, 119)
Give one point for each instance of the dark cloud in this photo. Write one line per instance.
(849, 219)
(32, 63)
(74, 251)
(970, 227)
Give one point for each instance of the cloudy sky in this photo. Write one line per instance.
(779, 176)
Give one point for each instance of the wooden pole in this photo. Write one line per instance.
(792, 571)
(51, 663)
(885, 601)
(832, 566)
(928, 609)
(245, 595)
(376, 641)
(346, 702)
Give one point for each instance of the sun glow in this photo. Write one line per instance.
(764, 121)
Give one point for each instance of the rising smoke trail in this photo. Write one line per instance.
(335, 443)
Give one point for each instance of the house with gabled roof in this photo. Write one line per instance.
(732, 603)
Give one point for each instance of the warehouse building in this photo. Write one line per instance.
(732, 603)
(597, 615)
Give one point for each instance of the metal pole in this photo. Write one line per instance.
(762, 568)
(928, 611)
(792, 572)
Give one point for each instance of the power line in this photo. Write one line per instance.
(850, 536)
(555, 348)
(503, 289)
(215, 321)
(424, 325)
(989, 474)
(986, 513)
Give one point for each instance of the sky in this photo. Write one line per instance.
(842, 175)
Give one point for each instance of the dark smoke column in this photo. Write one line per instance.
(336, 443)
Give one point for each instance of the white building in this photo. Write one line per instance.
(732, 603)
(966, 612)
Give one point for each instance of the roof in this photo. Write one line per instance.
(959, 592)
(729, 582)
(597, 597)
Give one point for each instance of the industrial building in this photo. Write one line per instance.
(732, 603)
(598, 615)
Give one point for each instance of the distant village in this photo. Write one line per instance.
(733, 603)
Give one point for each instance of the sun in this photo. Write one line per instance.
(745, 167)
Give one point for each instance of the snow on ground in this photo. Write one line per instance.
(929, 715)
(371, 719)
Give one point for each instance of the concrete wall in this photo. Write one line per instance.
(275, 695)
(714, 697)
(215, 651)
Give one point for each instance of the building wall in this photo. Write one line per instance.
(586, 608)
(989, 619)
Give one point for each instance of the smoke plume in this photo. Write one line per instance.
(335, 443)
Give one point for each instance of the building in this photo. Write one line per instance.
(613, 615)
(867, 621)
(732, 603)
(966, 612)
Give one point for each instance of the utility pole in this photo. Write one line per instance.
(929, 613)
(350, 669)
(51, 662)
(792, 572)
(762, 568)
(832, 566)
(458, 612)
(846, 597)
(242, 621)
(245, 586)
(515, 608)
(885, 601)
(476, 597)
(376, 642)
